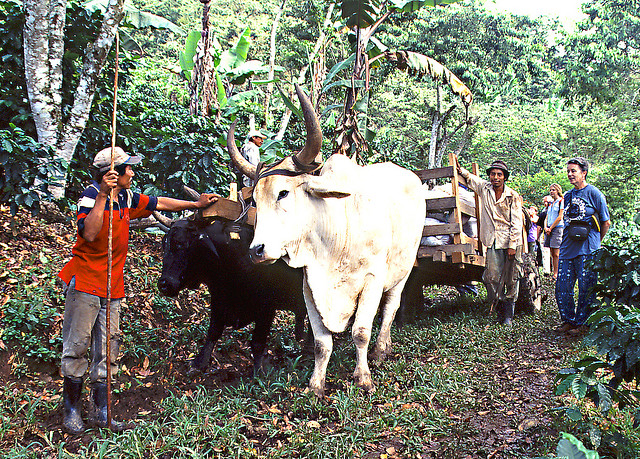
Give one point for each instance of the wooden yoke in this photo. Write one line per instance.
(230, 208)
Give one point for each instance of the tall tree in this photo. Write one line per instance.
(43, 53)
(500, 56)
(601, 63)
(364, 17)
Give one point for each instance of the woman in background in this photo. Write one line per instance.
(554, 225)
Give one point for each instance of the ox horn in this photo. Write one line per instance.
(165, 221)
(314, 134)
(193, 194)
(238, 160)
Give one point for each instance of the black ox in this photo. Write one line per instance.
(217, 255)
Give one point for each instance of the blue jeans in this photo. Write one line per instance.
(570, 270)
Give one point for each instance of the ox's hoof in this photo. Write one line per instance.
(317, 391)
(380, 354)
(197, 367)
(193, 371)
(363, 381)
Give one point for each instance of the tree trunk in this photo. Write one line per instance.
(43, 52)
(433, 144)
(272, 62)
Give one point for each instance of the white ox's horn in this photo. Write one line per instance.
(238, 160)
(314, 133)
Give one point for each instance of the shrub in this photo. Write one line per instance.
(27, 323)
(610, 379)
(25, 170)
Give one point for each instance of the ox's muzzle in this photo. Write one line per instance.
(168, 286)
(257, 253)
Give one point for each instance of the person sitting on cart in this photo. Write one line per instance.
(501, 221)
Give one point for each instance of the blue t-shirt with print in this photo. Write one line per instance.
(553, 212)
(580, 205)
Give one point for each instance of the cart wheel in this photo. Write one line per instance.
(530, 295)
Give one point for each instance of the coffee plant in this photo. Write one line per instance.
(25, 170)
(610, 379)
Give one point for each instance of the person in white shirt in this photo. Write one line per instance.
(251, 152)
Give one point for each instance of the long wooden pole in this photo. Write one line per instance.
(110, 249)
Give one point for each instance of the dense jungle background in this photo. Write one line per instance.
(401, 81)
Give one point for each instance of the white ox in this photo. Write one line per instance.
(355, 230)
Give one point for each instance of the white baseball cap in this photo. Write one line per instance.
(103, 159)
(255, 133)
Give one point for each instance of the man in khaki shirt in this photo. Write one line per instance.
(501, 223)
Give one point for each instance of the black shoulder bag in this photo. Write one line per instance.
(578, 230)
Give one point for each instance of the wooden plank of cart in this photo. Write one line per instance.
(458, 263)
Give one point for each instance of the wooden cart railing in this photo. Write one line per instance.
(463, 249)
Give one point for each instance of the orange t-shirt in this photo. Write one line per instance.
(90, 259)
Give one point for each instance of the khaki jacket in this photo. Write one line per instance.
(500, 220)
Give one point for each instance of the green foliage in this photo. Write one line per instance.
(624, 234)
(534, 187)
(610, 379)
(194, 158)
(619, 178)
(507, 59)
(25, 322)
(134, 17)
(28, 319)
(179, 149)
(14, 105)
(232, 64)
(25, 169)
(401, 111)
(618, 269)
(189, 52)
(601, 63)
(570, 447)
(526, 137)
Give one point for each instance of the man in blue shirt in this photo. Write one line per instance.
(586, 220)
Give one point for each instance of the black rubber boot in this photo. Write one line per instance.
(500, 311)
(99, 395)
(72, 400)
(509, 307)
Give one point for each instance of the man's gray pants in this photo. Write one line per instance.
(501, 276)
(84, 326)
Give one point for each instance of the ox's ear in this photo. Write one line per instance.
(323, 187)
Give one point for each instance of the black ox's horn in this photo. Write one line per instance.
(165, 221)
(238, 160)
(305, 156)
(314, 134)
(193, 194)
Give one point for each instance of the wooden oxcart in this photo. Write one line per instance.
(462, 261)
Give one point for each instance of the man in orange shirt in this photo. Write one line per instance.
(85, 279)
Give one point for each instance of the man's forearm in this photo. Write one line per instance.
(604, 229)
(175, 205)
